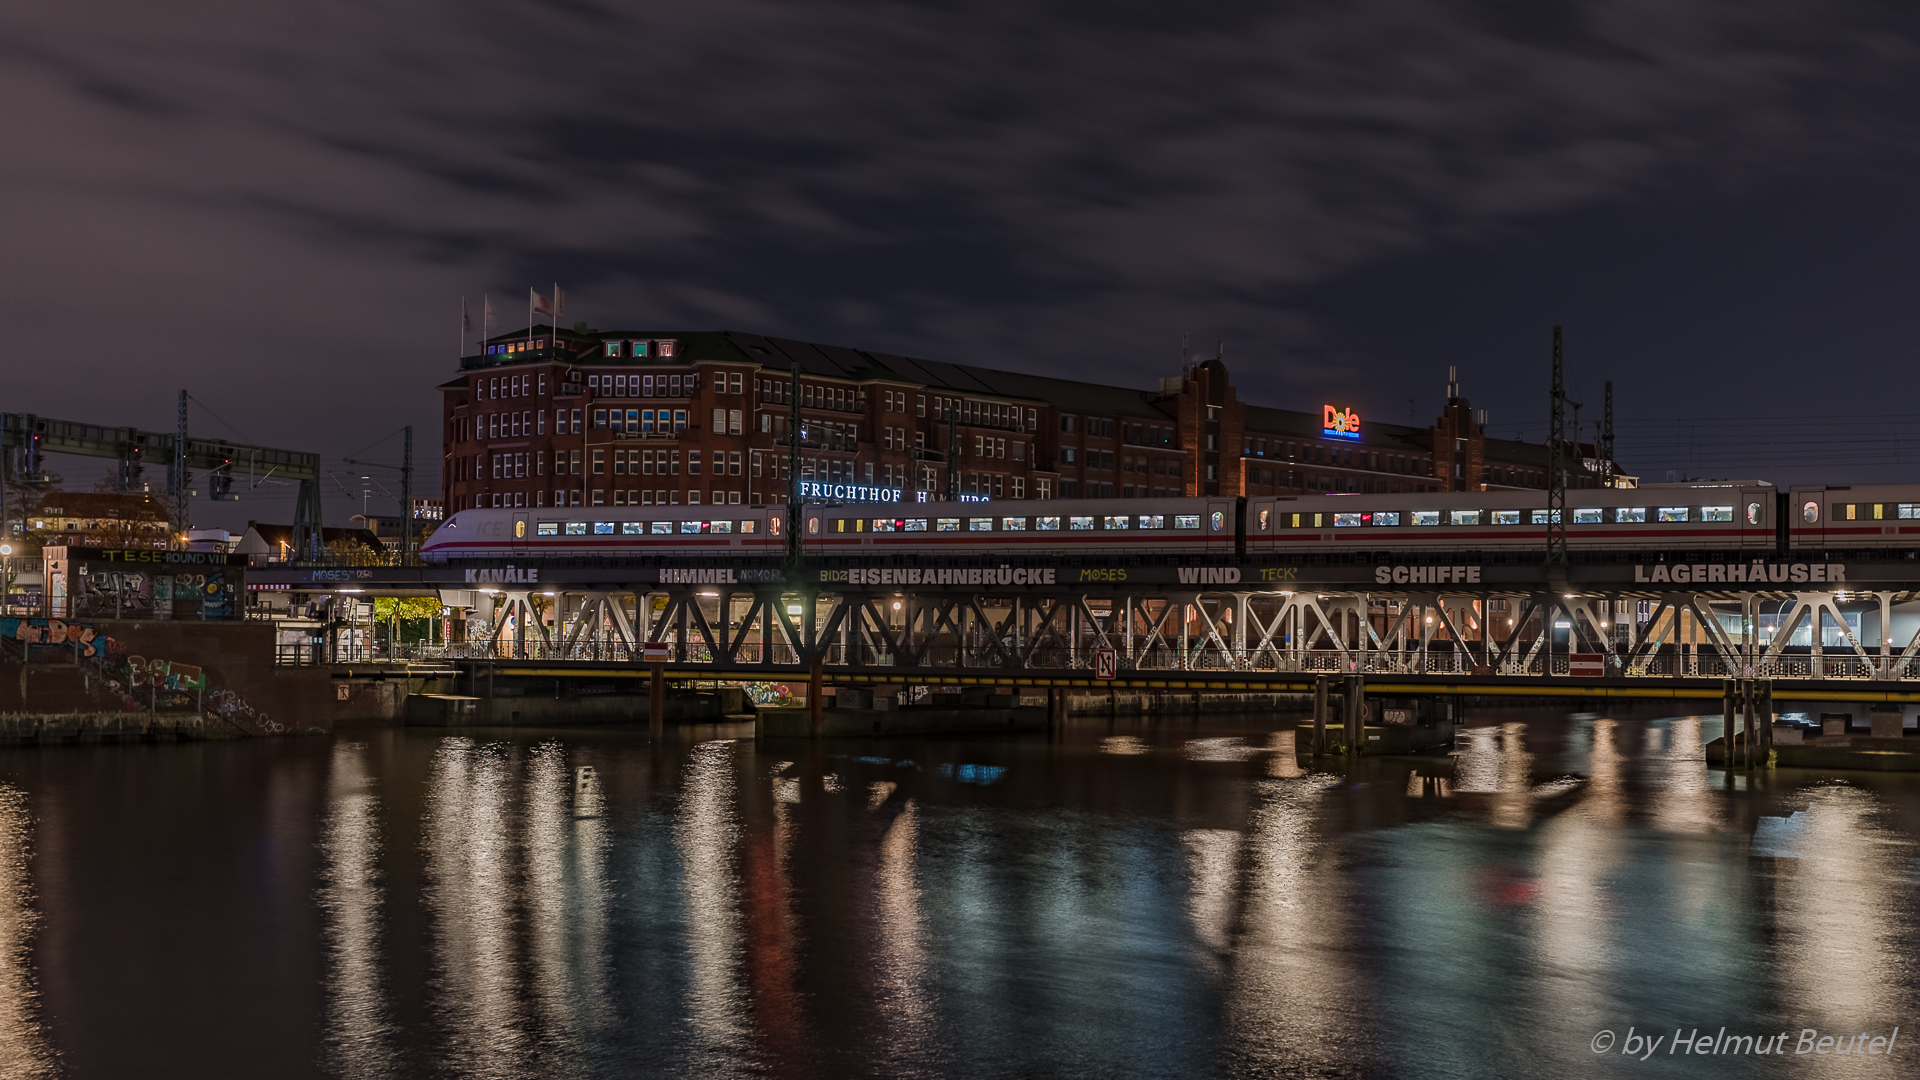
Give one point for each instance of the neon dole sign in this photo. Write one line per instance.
(1339, 423)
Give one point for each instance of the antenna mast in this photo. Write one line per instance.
(1556, 460)
(1605, 448)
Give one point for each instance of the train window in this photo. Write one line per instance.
(519, 529)
(658, 527)
(1753, 513)
(1506, 517)
(721, 527)
(747, 525)
(1909, 510)
(1593, 516)
(1673, 513)
(773, 525)
(1426, 517)
(1159, 521)
(1810, 513)
(632, 528)
(1018, 524)
(1630, 515)
(915, 525)
(1341, 521)
(1843, 510)
(1266, 520)
(603, 528)
(1190, 521)
(1081, 523)
(1386, 517)
(1546, 517)
(1120, 522)
(979, 524)
(1878, 511)
(882, 524)
(1219, 520)
(547, 528)
(1046, 524)
(1464, 517)
(576, 528)
(693, 526)
(948, 524)
(1716, 513)
(1295, 525)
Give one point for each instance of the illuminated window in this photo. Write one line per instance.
(632, 528)
(1593, 516)
(547, 528)
(1546, 517)
(658, 527)
(1343, 520)
(1716, 513)
(1387, 517)
(979, 524)
(1810, 513)
(1426, 517)
(1080, 524)
(1630, 515)
(1018, 524)
(1464, 517)
(947, 525)
(1506, 517)
(916, 525)
(1191, 521)
(1673, 513)
(1046, 524)
(576, 528)
(1121, 522)
(1159, 521)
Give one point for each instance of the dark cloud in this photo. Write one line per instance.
(280, 207)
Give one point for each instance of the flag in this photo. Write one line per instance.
(559, 305)
(486, 316)
(542, 305)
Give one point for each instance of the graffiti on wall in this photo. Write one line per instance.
(53, 632)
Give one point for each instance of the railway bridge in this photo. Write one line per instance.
(1615, 620)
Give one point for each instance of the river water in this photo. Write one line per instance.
(1167, 898)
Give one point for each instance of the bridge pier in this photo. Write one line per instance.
(816, 687)
(657, 702)
(1320, 690)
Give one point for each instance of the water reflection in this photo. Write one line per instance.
(1291, 998)
(360, 1029)
(707, 832)
(1835, 898)
(24, 1050)
(608, 906)
(471, 887)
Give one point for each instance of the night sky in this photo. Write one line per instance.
(280, 207)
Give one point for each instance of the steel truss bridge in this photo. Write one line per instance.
(1235, 625)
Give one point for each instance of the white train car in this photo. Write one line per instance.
(1058, 527)
(608, 532)
(1854, 517)
(1657, 516)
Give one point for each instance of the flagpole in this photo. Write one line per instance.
(464, 323)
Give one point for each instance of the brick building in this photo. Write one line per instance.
(596, 418)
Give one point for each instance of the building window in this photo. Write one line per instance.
(733, 463)
(735, 422)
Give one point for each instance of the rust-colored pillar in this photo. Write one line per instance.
(657, 702)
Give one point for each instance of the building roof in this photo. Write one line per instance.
(270, 539)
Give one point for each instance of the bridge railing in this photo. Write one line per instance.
(984, 658)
